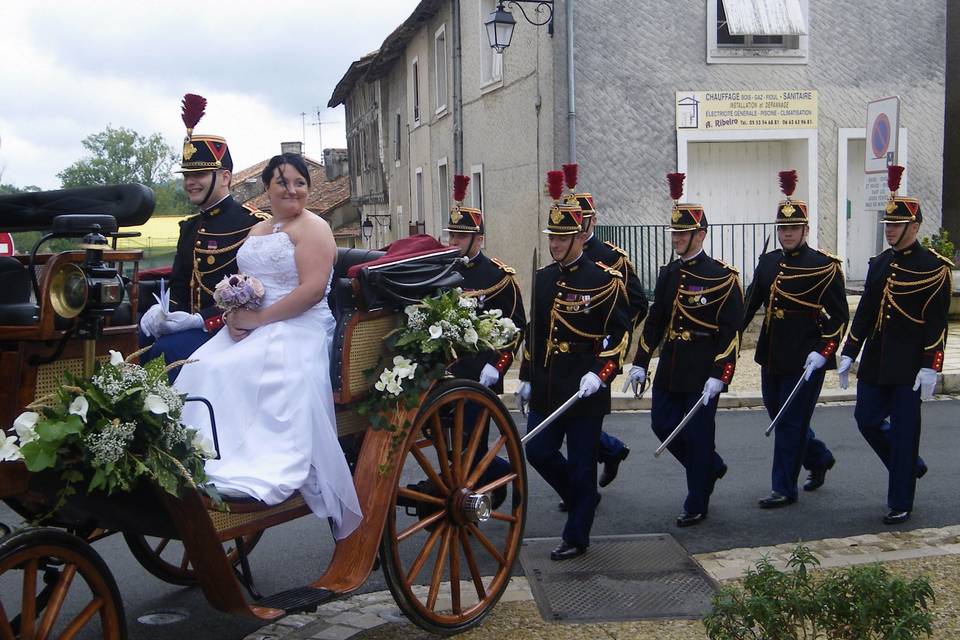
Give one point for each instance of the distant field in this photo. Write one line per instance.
(159, 232)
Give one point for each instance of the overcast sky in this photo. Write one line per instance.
(69, 69)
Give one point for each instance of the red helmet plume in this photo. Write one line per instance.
(570, 174)
(676, 185)
(460, 187)
(193, 110)
(894, 173)
(555, 184)
(788, 182)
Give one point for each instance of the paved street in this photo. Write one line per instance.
(645, 498)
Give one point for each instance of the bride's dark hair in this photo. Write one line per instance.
(292, 159)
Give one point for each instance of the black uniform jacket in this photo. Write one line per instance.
(901, 321)
(806, 308)
(696, 314)
(610, 255)
(206, 252)
(581, 321)
(493, 284)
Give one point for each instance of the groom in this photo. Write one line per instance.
(206, 250)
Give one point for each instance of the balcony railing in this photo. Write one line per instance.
(737, 244)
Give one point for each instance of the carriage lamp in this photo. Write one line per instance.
(500, 22)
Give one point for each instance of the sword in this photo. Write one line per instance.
(687, 418)
(529, 339)
(552, 417)
(786, 404)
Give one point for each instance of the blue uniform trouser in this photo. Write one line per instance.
(793, 435)
(888, 416)
(574, 478)
(173, 346)
(498, 466)
(611, 447)
(694, 446)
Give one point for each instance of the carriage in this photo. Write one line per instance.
(445, 549)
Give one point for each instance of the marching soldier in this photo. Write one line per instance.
(613, 451)
(901, 326)
(806, 314)
(696, 313)
(575, 344)
(207, 247)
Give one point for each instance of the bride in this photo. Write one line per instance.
(268, 376)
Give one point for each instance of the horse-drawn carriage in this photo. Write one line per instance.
(446, 551)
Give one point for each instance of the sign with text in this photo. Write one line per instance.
(730, 110)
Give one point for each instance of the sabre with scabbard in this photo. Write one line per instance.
(531, 323)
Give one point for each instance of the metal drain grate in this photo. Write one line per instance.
(620, 578)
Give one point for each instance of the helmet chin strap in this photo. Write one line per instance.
(903, 232)
(473, 238)
(213, 183)
(566, 255)
(686, 249)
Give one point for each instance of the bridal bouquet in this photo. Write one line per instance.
(109, 431)
(238, 291)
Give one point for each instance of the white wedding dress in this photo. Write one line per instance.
(272, 399)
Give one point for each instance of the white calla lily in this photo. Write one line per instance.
(79, 407)
(155, 404)
(25, 426)
(205, 445)
(8, 449)
(435, 331)
(470, 336)
(116, 358)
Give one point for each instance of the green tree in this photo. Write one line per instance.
(121, 155)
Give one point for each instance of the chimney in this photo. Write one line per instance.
(296, 148)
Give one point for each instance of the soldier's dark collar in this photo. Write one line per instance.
(800, 249)
(572, 266)
(908, 250)
(472, 262)
(692, 260)
(214, 209)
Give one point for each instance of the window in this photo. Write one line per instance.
(491, 62)
(396, 139)
(476, 186)
(419, 210)
(443, 187)
(415, 91)
(440, 68)
(757, 31)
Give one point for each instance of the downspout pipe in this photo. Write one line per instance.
(457, 89)
(571, 100)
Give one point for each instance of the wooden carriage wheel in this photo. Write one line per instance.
(447, 548)
(166, 558)
(65, 588)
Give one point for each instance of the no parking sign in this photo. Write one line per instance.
(883, 124)
(6, 244)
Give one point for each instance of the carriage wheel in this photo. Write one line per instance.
(442, 528)
(166, 558)
(64, 588)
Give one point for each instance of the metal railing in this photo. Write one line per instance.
(738, 244)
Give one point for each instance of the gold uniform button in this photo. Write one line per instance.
(211, 260)
(198, 243)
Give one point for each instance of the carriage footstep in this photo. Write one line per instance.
(297, 600)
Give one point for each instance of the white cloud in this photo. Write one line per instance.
(67, 70)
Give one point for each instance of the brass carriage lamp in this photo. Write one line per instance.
(500, 22)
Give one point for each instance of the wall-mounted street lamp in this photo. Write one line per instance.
(500, 22)
(383, 220)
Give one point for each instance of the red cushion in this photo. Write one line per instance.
(156, 273)
(403, 249)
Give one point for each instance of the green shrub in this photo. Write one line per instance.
(857, 603)
(941, 243)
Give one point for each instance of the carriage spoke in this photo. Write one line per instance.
(454, 576)
(441, 445)
(57, 599)
(28, 605)
(429, 470)
(484, 464)
(160, 547)
(456, 441)
(496, 484)
(425, 553)
(503, 517)
(426, 522)
(475, 435)
(420, 497)
(185, 561)
(6, 631)
(438, 570)
(82, 618)
(472, 565)
(492, 550)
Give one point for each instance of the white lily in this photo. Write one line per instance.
(9, 449)
(79, 407)
(393, 388)
(204, 445)
(25, 426)
(116, 358)
(470, 336)
(155, 404)
(467, 302)
(435, 331)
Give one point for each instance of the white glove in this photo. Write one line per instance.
(590, 383)
(151, 320)
(636, 377)
(711, 389)
(489, 376)
(926, 381)
(523, 396)
(814, 361)
(180, 321)
(843, 370)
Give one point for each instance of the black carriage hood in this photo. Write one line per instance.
(129, 204)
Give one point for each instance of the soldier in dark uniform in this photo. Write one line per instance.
(806, 315)
(613, 451)
(207, 247)
(696, 314)
(901, 326)
(581, 324)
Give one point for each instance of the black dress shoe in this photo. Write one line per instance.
(722, 472)
(921, 471)
(816, 477)
(566, 551)
(562, 506)
(497, 496)
(612, 466)
(775, 501)
(689, 519)
(896, 517)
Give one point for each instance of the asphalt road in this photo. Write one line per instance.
(645, 498)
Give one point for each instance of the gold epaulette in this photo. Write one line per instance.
(610, 270)
(946, 260)
(256, 213)
(728, 267)
(831, 256)
(616, 248)
(503, 267)
(188, 218)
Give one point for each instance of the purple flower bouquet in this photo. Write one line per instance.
(238, 291)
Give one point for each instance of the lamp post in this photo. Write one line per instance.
(500, 22)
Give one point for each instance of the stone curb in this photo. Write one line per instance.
(345, 618)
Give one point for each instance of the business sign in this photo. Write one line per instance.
(734, 110)
(883, 127)
(6, 244)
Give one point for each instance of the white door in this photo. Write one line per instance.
(864, 235)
